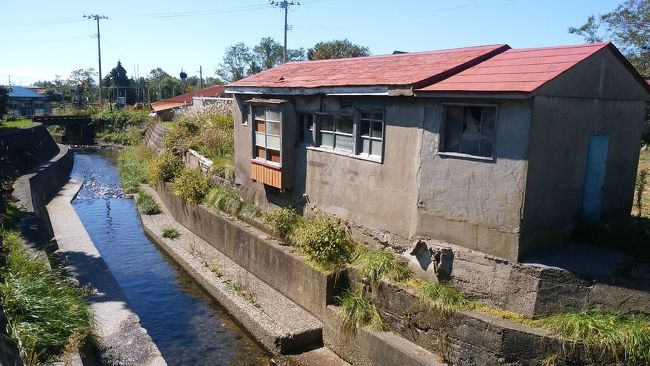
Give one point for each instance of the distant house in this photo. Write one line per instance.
(165, 109)
(491, 148)
(27, 102)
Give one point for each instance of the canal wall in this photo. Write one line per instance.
(23, 148)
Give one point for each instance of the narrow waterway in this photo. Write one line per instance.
(188, 327)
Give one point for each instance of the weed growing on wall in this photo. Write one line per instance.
(325, 243)
(191, 185)
(44, 310)
(164, 168)
(283, 222)
(358, 311)
(133, 166)
(442, 296)
(379, 264)
(226, 200)
(124, 127)
(170, 233)
(147, 204)
(641, 182)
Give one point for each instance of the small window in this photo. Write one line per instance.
(267, 141)
(306, 128)
(469, 130)
(371, 133)
(337, 132)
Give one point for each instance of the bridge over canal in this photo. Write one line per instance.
(78, 128)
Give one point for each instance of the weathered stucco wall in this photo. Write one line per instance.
(475, 203)
(558, 155)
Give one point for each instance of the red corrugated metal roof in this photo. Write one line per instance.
(210, 91)
(517, 70)
(409, 69)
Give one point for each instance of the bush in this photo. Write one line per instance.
(118, 120)
(170, 233)
(283, 222)
(226, 200)
(129, 136)
(357, 311)
(377, 264)
(325, 243)
(44, 310)
(147, 204)
(133, 165)
(164, 168)
(191, 185)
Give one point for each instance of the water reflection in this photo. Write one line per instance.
(188, 327)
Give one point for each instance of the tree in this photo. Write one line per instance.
(4, 100)
(82, 82)
(236, 63)
(118, 79)
(336, 49)
(628, 26)
(269, 53)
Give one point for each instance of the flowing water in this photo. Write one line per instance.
(188, 326)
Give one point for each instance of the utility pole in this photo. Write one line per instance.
(284, 4)
(99, 51)
(200, 77)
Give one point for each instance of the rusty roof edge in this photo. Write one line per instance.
(459, 68)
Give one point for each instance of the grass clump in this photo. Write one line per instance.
(326, 244)
(164, 168)
(442, 296)
(133, 166)
(283, 222)
(626, 336)
(226, 200)
(170, 233)
(379, 264)
(191, 185)
(44, 310)
(358, 311)
(147, 204)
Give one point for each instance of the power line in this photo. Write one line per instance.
(284, 4)
(99, 50)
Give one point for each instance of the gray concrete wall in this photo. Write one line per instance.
(24, 148)
(558, 154)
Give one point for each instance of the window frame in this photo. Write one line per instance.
(254, 133)
(299, 136)
(443, 132)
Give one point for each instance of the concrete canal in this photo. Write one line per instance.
(188, 327)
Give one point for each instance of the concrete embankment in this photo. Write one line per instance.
(123, 341)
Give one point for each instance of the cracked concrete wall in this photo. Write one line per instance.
(474, 203)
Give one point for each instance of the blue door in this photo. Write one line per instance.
(595, 177)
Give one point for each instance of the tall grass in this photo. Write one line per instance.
(379, 264)
(147, 204)
(442, 296)
(325, 243)
(133, 166)
(358, 311)
(44, 310)
(283, 222)
(226, 200)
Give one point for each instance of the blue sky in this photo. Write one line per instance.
(44, 38)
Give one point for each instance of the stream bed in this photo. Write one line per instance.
(187, 325)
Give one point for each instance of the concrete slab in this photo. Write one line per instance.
(279, 324)
(123, 340)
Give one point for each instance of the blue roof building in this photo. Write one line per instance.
(27, 102)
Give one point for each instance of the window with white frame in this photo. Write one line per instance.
(267, 140)
(306, 128)
(469, 130)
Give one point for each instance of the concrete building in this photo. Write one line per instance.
(27, 102)
(495, 149)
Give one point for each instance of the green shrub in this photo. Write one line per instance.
(119, 120)
(164, 167)
(357, 311)
(442, 296)
(226, 200)
(325, 243)
(44, 309)
(129, 136)
(283, 222)
(170, 233)
(147, 204)
(191, 185)
(626, 336)
(377, 264)
(133, 165)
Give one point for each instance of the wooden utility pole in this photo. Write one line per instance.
(99, 51)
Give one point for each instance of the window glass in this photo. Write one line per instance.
(273, 115)
(344, 125)
(453, 128)
(365, 128)
(344, 142)
(327, 139)
(326, 123)
(266, 136)
(260, 139)
(273, 142)
(470, 130)
(259, 113)
(375, 147)
(273, 128)
(305, 128)
(376, 129)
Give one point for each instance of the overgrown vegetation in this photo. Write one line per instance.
(147, 204)
(325, 243)
(442, 296)
(133, 166)
(15, 122)
(641, 182)
(358, 311)
(123, 127)
(376, 264)
(283, 222)
(191, 185)
(170, 233)
(226, 200)
(45, 311)
(211, 135)
(164, 167)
